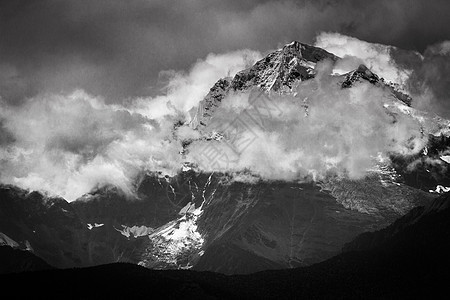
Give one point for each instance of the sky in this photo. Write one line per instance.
(119, 49)
(90, 90)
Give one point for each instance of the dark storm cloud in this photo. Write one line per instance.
(117, 48)
(430, 81)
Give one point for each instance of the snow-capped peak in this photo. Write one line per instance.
(276, 72)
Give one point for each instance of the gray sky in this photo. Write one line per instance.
(116, 49)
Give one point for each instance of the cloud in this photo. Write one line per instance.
(67, 145)
(186, 90)
(342, 132)
(424, 77)
(377, 57)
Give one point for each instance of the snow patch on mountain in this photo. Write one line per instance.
(175, 244)
(95, 225)
(446, 158)
(135, 231)
(440, 189)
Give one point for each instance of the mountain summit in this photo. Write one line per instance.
(279, 70)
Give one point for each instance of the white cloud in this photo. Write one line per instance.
(68, 144)
(186, 90)
(344, 133)
(376, 57)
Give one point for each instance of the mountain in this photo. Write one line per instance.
(194, 223)
(211, 222)
(408, 259)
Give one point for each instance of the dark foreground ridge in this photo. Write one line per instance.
(408, 259)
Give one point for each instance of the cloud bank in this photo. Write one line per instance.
(67, 143)
(322, 131)
(185, 90)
